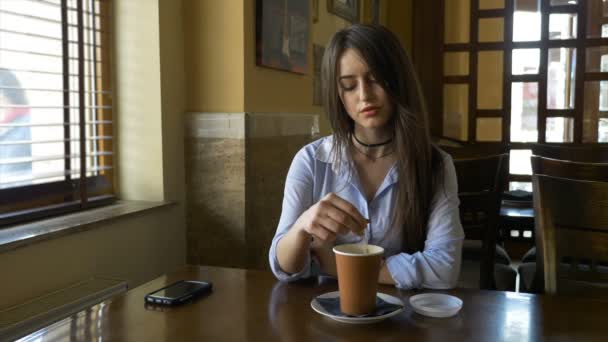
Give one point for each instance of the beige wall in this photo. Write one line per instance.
(137, 84)
(173, 88)
(214, 34)
(150, 143)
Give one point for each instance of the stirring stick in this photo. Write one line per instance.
(364, 238)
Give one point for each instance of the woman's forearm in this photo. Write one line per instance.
(293, 249)
(385, 276)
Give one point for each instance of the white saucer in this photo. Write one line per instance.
(436, 304)
(356, 320)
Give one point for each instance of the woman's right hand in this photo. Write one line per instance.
(331, 216)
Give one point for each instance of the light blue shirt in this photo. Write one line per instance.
(313, 174)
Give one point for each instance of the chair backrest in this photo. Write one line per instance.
(569, 169)
(475, 150)
(480, 185)
(578, 153)
(572, 235)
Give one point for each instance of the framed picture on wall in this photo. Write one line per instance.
(347, 9)
(282, 30)
(315, 11)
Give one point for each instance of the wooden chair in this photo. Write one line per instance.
(572, 235)
(531, 279)
(578, 153)
(480, 185)
(569, 169)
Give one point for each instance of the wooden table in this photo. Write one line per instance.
(252, 306)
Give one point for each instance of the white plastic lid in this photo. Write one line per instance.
(436, 304)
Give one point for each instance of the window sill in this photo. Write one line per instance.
(21, 235)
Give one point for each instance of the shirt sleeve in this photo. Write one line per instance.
(438, 265)
(297, 198)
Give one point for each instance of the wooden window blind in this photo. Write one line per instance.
(56, 107)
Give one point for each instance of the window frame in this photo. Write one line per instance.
(473, 47)
(31, 202)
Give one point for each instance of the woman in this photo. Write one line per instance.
(378, 177)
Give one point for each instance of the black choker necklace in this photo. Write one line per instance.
(373, 145)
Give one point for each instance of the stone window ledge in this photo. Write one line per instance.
(21, 235)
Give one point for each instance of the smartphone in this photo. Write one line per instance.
(179, 292)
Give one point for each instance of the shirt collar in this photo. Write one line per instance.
(325, 154)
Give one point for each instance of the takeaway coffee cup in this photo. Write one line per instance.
(358, 266)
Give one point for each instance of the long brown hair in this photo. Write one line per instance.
(419, 163)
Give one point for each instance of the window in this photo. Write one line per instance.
(56, 151)
(524, 72)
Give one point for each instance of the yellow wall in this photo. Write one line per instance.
(214, 34)
(150, 143)
(222, 72)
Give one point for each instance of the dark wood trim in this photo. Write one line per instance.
(590, 42)
(561, 113)
(485, 46)
(456, 79)
(543, 71)
(525, 78)
(521, 145)
(51, 196)
(473, 56)
(461, 47)
(535, 44)
(81, 103)
(591, 76)
(491, 13)
(579, 91)
(67, 149)
(565, 9)
(427, 55)
(465, 47)
(554, 43)
(520, 178)
(507, 71)
(436, 80)
(96, 113)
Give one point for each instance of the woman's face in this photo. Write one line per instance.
(364, 99)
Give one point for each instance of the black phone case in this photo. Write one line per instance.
(205, 288)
